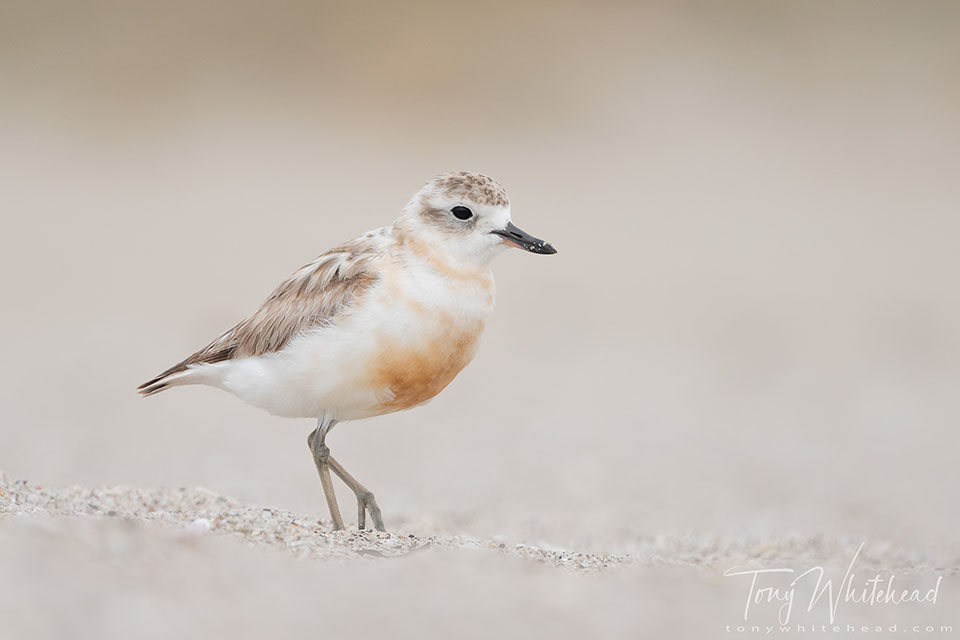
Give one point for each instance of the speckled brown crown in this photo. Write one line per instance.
(475, 187)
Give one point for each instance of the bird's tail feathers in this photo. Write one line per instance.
(167, 379)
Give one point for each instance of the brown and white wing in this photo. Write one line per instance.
(314, 296)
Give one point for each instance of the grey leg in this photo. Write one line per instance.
(325, 462)
(321, 458)
(365, 499)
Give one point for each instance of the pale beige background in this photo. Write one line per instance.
(752, 326)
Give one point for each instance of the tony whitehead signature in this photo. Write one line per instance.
(874, 591)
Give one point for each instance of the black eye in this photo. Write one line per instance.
(462, 213)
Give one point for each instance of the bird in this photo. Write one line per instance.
(379, 324)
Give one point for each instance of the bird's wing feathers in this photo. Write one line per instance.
(314, 296)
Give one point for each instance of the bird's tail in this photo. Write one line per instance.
(172, 377)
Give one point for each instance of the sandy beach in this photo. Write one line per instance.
(124, 561)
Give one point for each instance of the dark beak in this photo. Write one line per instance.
(519, 238)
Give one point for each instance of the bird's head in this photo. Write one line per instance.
(467, 215)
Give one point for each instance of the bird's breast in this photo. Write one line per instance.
(433, 332)
(409, 370)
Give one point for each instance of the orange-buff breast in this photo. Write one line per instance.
(417, 371)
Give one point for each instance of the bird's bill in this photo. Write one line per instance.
(516, 237)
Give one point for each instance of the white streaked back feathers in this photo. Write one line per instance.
(313, 296)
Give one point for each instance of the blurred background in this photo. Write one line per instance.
(752, 325)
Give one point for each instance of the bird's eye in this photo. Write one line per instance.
(462, 213)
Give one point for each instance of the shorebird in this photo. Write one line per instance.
(379, 324)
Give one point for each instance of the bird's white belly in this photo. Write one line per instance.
(397, 350)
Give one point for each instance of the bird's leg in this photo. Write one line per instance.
(321, 458)
(324, 461)
(365, 499)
